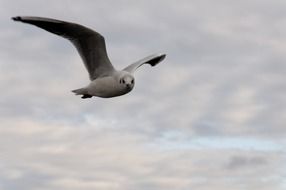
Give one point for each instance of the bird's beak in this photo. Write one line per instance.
(128, 86)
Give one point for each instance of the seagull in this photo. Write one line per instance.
(105, 80)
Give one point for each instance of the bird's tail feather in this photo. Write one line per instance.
(80, 91)
(83, 92)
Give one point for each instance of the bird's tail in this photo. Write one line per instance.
(82, 91)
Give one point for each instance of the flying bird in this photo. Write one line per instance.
(105, 80)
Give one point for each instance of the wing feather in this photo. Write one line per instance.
(151, 60)
(90, 44)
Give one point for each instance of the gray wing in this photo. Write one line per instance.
(90, 44)
(152, 60)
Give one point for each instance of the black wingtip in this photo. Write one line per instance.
(156, 60)
(17, 18)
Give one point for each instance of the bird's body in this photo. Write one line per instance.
(107, 87)
(106, 81)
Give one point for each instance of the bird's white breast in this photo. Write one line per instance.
(106, 87)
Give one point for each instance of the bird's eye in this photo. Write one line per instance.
(132, 81)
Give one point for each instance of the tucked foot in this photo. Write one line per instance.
(86, 96)
(17, 18)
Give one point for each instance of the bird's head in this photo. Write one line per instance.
(127, 81)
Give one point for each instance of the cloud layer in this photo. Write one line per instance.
(211, 116)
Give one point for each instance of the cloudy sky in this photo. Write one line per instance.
(210, 117)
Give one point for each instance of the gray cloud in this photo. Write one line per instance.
(237, 162)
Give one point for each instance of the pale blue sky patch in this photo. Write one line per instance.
(180, 140)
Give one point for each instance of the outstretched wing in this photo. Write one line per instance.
(152, 60)
(90, 44)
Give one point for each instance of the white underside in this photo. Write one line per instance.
(106, 87)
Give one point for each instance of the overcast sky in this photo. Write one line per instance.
(211, 116)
